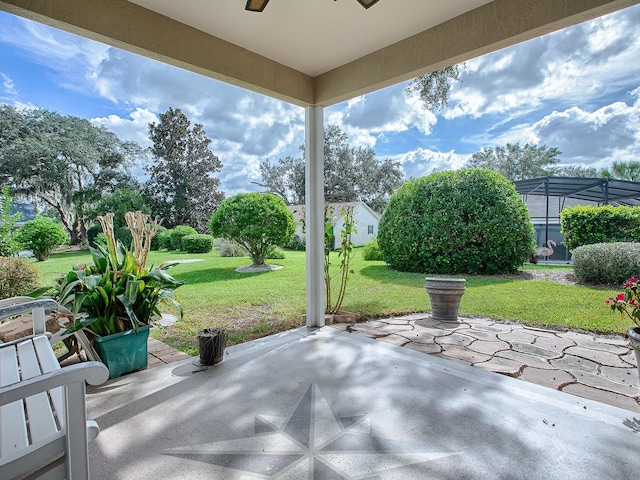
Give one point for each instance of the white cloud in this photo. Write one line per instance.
(367, 119)
(589, 138)
(135, 128)
(8, 85)
(587, 61)
(69, 58)
(421, 162)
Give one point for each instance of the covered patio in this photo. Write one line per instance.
(313, 53)
(324, 404)
(315, 402)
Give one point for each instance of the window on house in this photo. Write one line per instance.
(370, 229)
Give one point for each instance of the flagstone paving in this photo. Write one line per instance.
(598, 367)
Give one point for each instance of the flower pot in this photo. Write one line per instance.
(634, 343)
(124, 352)
(211, 342)
(445, 295)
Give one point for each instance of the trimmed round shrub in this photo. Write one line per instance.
(41, 235)
(257, 221)
(371, 251)
(198, 243)
(463, 221)
(229, 248)
(17, 277)
(176, 234)
(607, 263)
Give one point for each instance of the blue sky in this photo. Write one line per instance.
(577, 90)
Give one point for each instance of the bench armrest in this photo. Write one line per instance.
(12, 307)
(94, 373)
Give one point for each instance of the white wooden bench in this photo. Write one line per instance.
(43, 420)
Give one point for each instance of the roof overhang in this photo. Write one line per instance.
(234, 49)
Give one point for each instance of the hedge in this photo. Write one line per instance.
(586, 225)
(197, 243)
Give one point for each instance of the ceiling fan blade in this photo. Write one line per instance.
(367, 3)
(256, 5)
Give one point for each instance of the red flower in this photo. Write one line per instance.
(621, 297)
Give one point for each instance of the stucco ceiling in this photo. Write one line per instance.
(312, 36)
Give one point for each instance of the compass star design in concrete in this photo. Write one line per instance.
(311, 443)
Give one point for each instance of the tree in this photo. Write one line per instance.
(462, 221)
(351, 174)
(8, 245)
(257, 221)
(623, 171)
(64, 162)
(578, 171)
(433, 88)
(121, 201)
(285, 179)
(517, 162)
(182, 189)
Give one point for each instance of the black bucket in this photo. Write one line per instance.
(212, 342)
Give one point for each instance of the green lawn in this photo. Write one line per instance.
(257, 304)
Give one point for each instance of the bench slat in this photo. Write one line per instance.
(13, 427)
(40, 415)
(49, 363)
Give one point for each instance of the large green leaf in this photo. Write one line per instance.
(164, 279)
(79, 324)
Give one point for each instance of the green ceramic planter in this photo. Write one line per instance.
(124, 352)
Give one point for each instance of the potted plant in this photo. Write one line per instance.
(115, 297)
(628, 304)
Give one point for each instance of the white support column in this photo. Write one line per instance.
(314, 214)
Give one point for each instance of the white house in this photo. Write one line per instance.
(366, 221)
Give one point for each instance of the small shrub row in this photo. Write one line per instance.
(183, 238)
(155, 241)
(586, 225)
(17, 277)
(197, 243)
(176, 234)
(607, 263)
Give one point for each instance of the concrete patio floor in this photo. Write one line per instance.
(327, 404)
(598, 367)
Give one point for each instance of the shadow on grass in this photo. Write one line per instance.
(69, 254)
(385, 274)
(209, 275)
